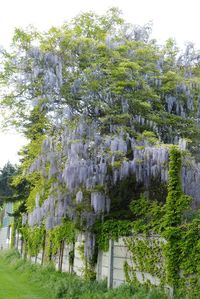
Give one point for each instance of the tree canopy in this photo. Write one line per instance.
(100, 103)
(6, 175)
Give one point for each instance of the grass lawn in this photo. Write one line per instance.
(20, 279)
(15, 285)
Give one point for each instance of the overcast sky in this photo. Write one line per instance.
(178, 19)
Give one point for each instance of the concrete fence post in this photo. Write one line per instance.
(110, 263)
(43, 249)
(60, 258)
(17, 240)
(99, 265)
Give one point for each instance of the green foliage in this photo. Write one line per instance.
(121, 195)
(172, 257)
(150, 137)
(147, 254)
(111, 229)
(6, 190)
(34, 239)
(13, 234)
(27, 185)
(176, 204)
(65, 232)
(176, 201)
(88, 268)
(147, 214)
(107, 57)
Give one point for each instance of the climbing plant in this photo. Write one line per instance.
(168, 256)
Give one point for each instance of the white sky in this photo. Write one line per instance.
(171, 18)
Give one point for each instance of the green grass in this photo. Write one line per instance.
(22, 280)
(15, 285)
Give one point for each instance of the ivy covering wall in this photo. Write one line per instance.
(164, 250)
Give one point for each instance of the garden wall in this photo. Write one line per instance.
(5, 237)
(117, 265)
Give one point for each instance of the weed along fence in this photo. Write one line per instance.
(123, 262)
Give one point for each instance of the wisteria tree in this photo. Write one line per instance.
(100, 102)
